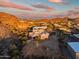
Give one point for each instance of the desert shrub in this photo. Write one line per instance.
(32, 51)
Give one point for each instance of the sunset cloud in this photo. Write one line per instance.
(71, 13)
(76, 8)
(42, 6)
(7, 3)
(56, 1)
(61, 2)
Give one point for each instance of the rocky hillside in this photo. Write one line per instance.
(12, 22)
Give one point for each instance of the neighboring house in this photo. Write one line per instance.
(39, 27)
(39, 31)
(44, 35)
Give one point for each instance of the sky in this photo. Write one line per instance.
(40, 8)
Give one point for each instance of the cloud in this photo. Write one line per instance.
(43, 6)
(9, 4)
(76, 8)
(72, 13)
(61, 2)
(56, 1)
